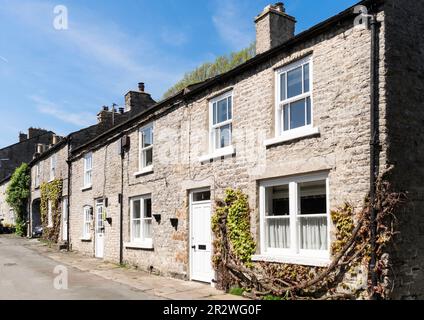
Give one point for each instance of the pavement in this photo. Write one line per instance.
(27, 271)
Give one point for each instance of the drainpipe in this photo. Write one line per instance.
(121, 213)
(374, 148)
(68, 226)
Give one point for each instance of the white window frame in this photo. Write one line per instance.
(294, 254)
(213, 128)
(49, 214)
(88, 170)
(304, 131)
(142, 166)
(87, 221)
(37, 175)
(53, 167)
(142, 241)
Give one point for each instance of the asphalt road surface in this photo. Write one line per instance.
(27, 275)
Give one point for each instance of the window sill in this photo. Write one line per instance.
(140, 246)
(87, 188)
(85, 239)
(297, 260)
(292, 135)
(224, 152)
(146, 170)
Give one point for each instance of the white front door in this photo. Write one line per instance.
(201, 237)
(100, 230)
(65, 219)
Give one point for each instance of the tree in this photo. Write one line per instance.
(17, 195)
(209, 70)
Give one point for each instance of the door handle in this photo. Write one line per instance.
(193, 247)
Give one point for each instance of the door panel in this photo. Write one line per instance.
(100, 231)
(65, 220)
(201, 242)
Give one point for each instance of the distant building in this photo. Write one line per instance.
(23, 151)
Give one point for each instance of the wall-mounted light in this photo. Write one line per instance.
(174, 223)
(157, 217)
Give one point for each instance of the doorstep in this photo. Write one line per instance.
(162, 287)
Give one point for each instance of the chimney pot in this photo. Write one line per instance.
(105, 108)
(55, 139)
(141, 87)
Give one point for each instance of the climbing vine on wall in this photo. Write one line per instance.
(51, 192)
(17, 194)
(350, 252)
(235, 213)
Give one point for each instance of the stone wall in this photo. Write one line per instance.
(405, 113)
(5, 210)
(61, 155)
(22, 152)
(341, 61)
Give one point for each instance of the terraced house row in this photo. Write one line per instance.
(305, 126)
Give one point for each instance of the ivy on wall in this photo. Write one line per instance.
(234, 247)
(235, 213)
(51, 192)
(17, 194)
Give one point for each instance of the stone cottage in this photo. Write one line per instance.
(7, 214)
(302, 128)
(11, 157)
(14, 155)
(49, 167)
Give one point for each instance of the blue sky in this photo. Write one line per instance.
(59, 79)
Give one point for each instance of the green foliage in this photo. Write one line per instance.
(17, 194)
(209, 70)
(272, 298)
(237, 291)
(51, 192)
(238, 223)
(233, 215)
(343, 221)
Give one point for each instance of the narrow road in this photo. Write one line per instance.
(25, 274)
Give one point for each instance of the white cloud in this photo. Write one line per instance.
(125, 58)
(80, 119)
(232, 25)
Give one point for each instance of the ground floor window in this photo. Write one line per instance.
(295, 216)
(141, 220)
(86, 231)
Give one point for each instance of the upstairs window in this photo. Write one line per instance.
(221, 122)
(88, 170)
(37, 175)
(146, 148)
(294, 96)
(53, 164)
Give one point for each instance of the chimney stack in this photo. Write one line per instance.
(273, 27)
(138, 101)
(22, 137)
